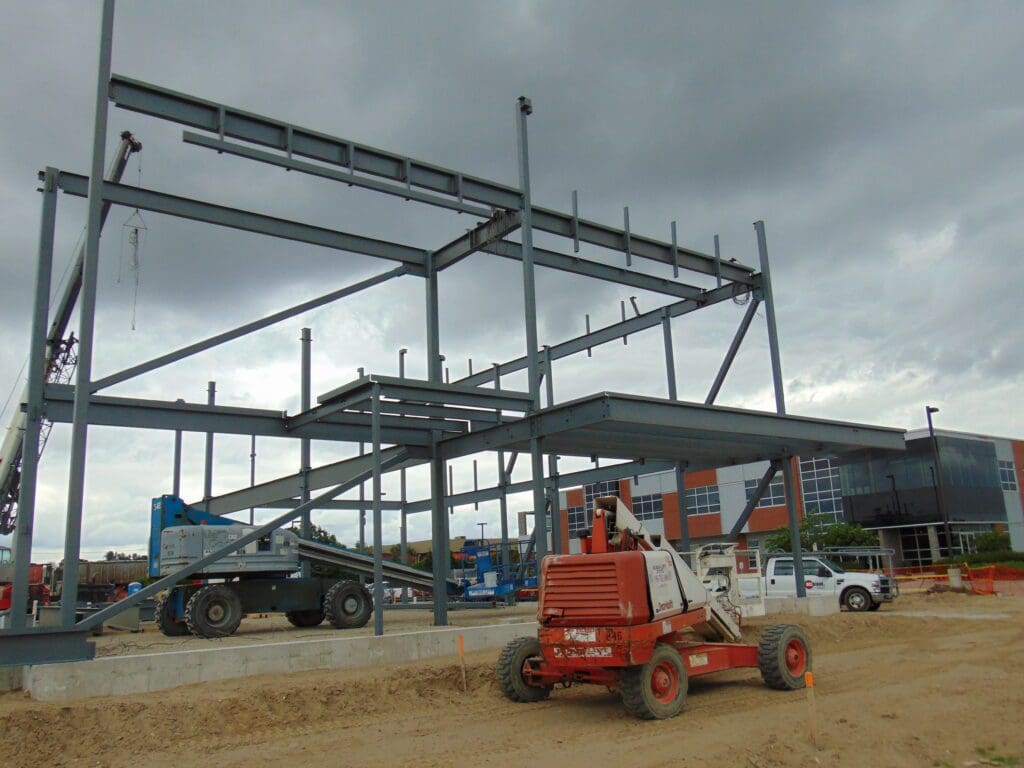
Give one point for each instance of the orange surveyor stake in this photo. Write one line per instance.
(462, 661)
(813, 713)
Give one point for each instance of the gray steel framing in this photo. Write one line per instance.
(405, 422)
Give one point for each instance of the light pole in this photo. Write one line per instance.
(940, 496)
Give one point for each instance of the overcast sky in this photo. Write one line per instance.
(879, 142)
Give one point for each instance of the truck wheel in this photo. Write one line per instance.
(857, 599)
(656, 690)
(163, 616)
(875, 606)
(311, 618)
(348, 605)
(784, 656)
(514, 658)
(213, 611)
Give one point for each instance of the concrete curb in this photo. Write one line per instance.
(144, 673)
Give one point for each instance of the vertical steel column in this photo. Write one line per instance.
(404, 534)
(252, 477)
(176, 465)
(438, 518)
(306, 395)
(523, 109)
(780, 403)
(505, 552)
(680, 467)
(86, 322)
(211, 398)
(378, 534)
(22, 542)
(552, 484)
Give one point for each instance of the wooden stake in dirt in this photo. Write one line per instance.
(812, 709)
(462, 662)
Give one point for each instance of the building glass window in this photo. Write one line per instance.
(596, 491)
(822, 490)
(1007, 476)
(578, 521)
(775, 496)
(754, 547)
(647, 507)
(703, 500)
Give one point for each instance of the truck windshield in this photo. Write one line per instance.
(834, 566)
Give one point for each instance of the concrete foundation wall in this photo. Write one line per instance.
(143, 673)
(812, 605)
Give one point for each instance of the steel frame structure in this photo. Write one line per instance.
(405, 422)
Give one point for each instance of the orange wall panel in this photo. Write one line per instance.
(700, 478)
(705, 525)
(768, 519)
(574, 497)
(564, 523)
(670, 514)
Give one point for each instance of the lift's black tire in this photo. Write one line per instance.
(656, 690)
(348, 605)
(857, 599)
(164, 618)
(214, 611)
(513, 658)
(784, 656)
(312, 618)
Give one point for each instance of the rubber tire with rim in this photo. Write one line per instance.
(513, 657)
(214, 611)
(163, 619)
(638, 685)
(856, 599)
(348, 605)
(777, 670)
(875, 606)
(311, 618)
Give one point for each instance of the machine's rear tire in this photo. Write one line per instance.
(348, 605)
(311, 618)
(514, 657)
(784, 656)
(164, 618)
(857, 599)
(656, 690)
(214, 611)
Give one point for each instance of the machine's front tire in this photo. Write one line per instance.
(656, 690)
(514, 657)
(348, 605)
(164, 618)
(311, 618)
(214, 611)
(784, 657)
(857, 599)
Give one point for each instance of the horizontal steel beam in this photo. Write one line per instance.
(290, 486)
(612, 332)
(568, 480)
(346, 177)
(242, 330)
(200, 417)
(295, 141)
(338, 505)
(419, 391)
(564, 263)
(495, 228)
(44, 645)
(235, 218)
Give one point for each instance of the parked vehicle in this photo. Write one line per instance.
(855, 591)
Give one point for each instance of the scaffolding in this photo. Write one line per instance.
(404, 422)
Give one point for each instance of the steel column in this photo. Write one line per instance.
(306, 398)
(378, 533)
(404, 535)
(552, 483)
(679, 469)
(780, 400)
(211, 399)
(523, 110)
(176, 465)
(438, 516)
(86, 323)
(503, 479)
(22, 541)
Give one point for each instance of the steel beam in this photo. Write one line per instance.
(476, 239)
(243, 330)
(25, 521)
(211, 399)
(543, 257)
(295, 141)
(607, 334)
(378, 522)
(730, 354)
(247, 221)
(44, 645)
(305, 398)
(753, 501)
(93, 190)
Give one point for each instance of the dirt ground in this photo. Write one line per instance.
(275, 628)
(937, 680)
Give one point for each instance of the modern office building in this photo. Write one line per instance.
(895, 496)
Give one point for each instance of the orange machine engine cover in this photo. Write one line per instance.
(600, 590)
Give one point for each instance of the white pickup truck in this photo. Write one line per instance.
(856, 591)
